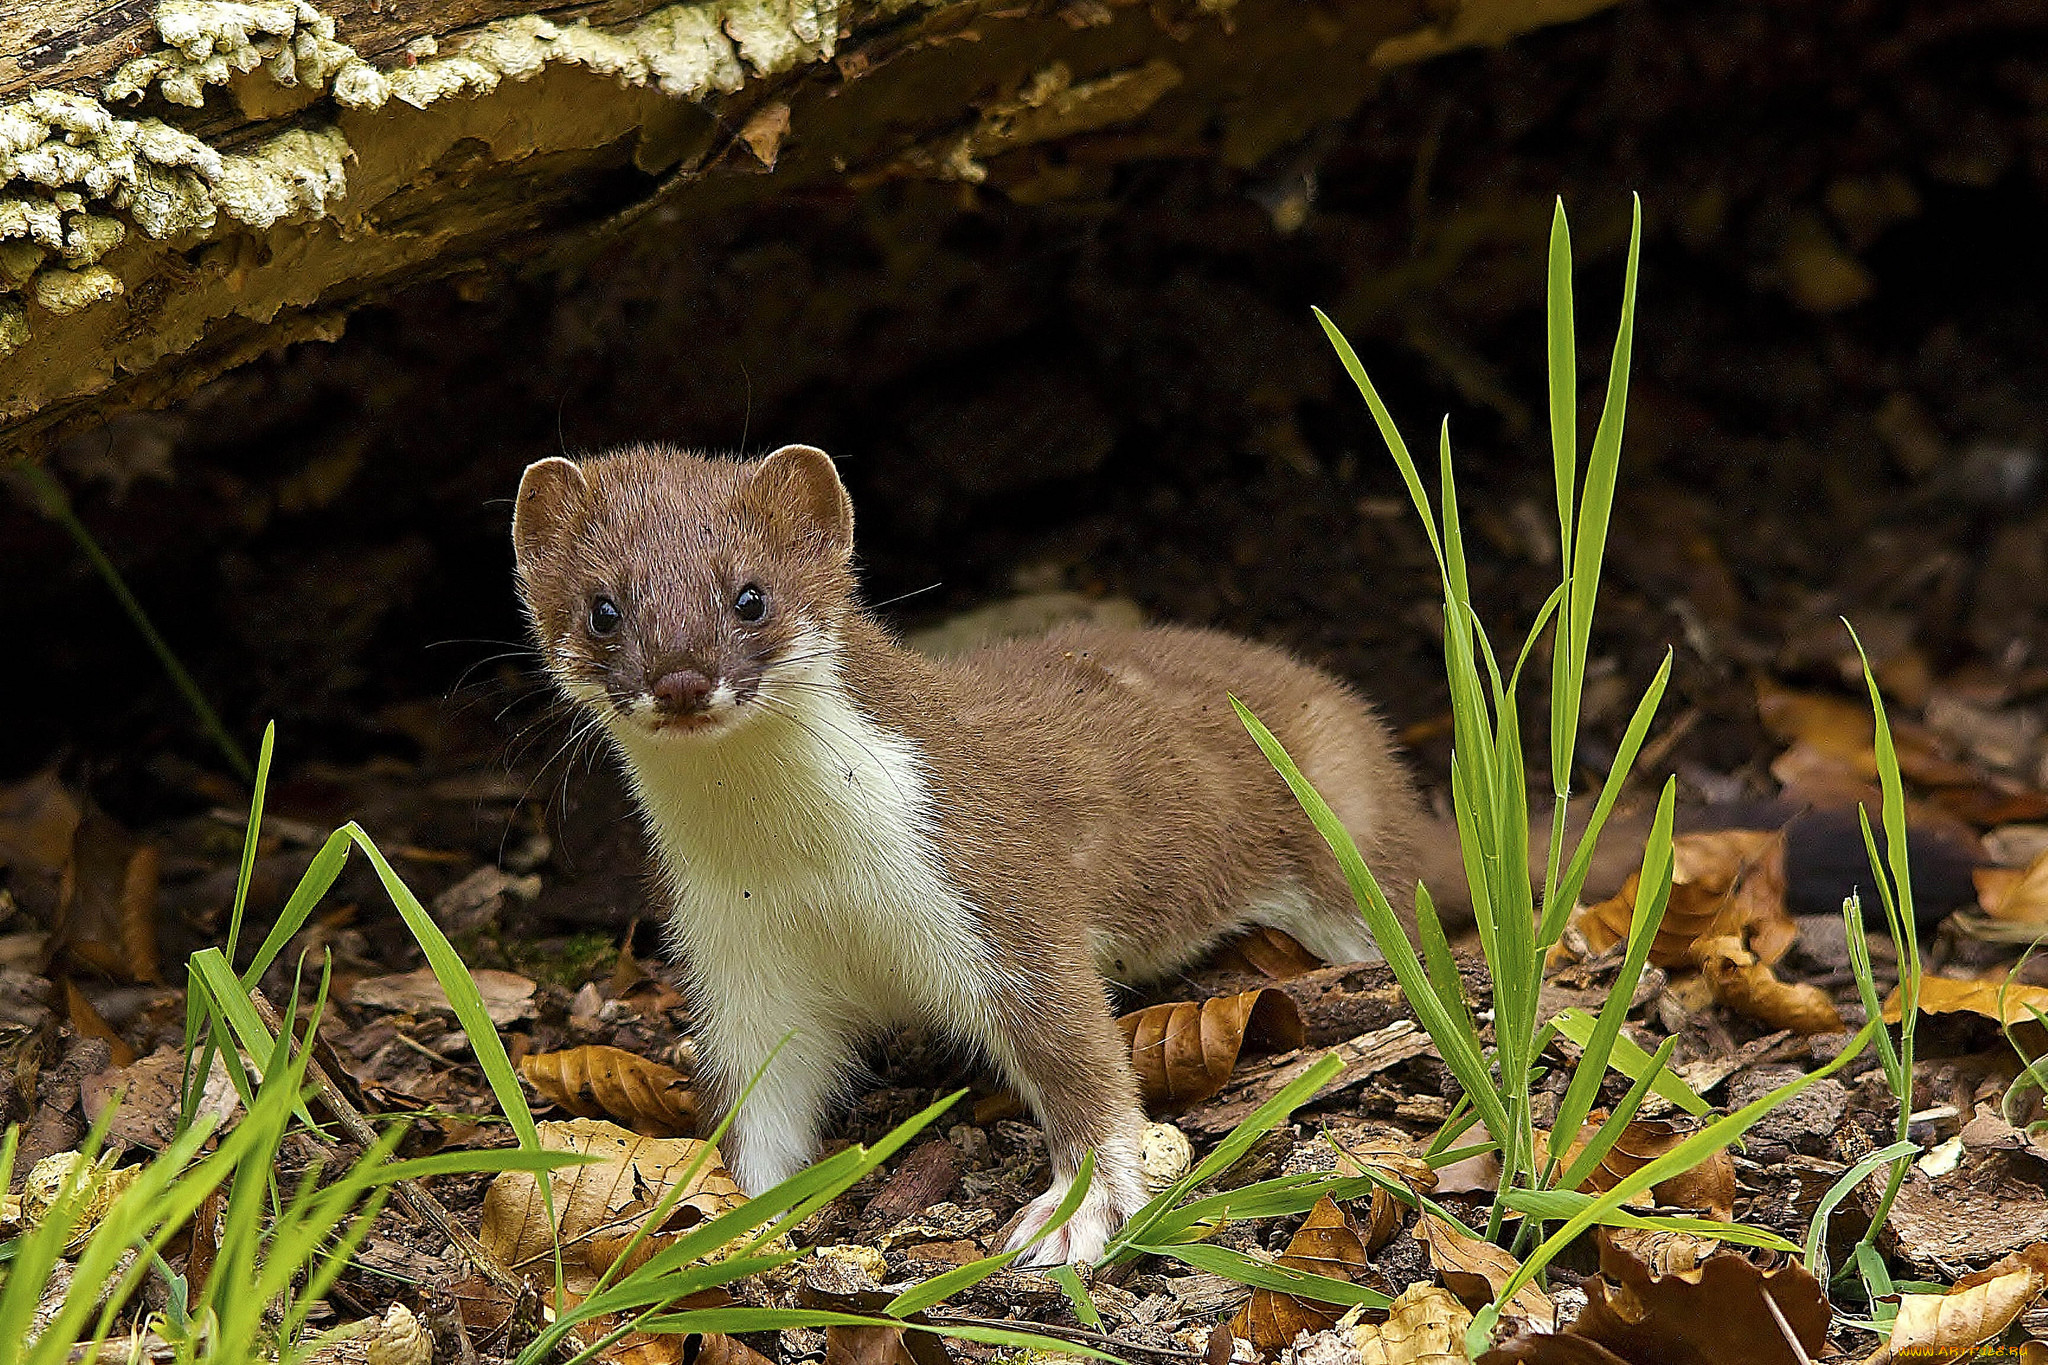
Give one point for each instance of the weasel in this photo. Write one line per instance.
(852, 836)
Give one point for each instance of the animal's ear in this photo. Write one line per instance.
(551, 492)
(800, 484)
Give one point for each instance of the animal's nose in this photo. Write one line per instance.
(682, 691)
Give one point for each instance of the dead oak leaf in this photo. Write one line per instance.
(1724, 883)
(1184, 1052)
(1328, 1243)
(600, 1206)
(1751, 988)
(1976, 1309)
(1940, 1328)
(1388, 1160)
(1724, 1310)
(1425, 1326)
(1995, 998)
(1267, 952)
(1476, 1271)
(2014, 895)
(598, 1082)
(1844, 730)
(1709, 1186)
(508, 996)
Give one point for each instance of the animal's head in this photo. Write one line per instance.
(677, 594)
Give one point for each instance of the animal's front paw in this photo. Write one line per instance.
(1080, 1240)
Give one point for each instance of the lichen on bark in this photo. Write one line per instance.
(75, 175)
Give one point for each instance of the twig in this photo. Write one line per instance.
(1791, 1337)
(939, 1320)
(410, 1192)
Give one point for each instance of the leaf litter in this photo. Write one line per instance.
(1747, 981)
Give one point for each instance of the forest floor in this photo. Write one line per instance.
(1752, 976)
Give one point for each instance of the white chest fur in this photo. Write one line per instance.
(800, 855)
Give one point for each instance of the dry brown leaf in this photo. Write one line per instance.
(38, 827)
(1425, 1326)
(508, 996)
(1476, 1271)
(1728, 882)
(1328, 1243)
(1184, 1052)
(867, 1346)
(138, 913)
(1994, 999)
(598, 1082)
(764, 131)
(87, 1022)
(1940, 1328)
(107, 914)
(1526, 1346)
(1709, 1186)
(399, 1338)
(1667, 1253)
(1843, 729)
(2014, 895)
(720, 1349)
(599, 1207)
(1267, 952)
(1356, 1155)
(1750, 988)
(150, 1091)
(1714, 1313)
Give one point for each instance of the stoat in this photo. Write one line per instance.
(853, 836)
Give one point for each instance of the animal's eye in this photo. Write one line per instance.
(604, 615)
(751, 605)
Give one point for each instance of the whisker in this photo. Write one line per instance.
(906, 596)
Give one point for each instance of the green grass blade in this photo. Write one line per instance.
(1631, 1061)
(319, 878)
(1653, 894)
(223, 996)
(1563, 354)
(747, 1319)
(1235, 1144)
(250, 837)
(1077, 1294)
(1861, 969)
(1276, 1198)
(1558, 902)
(463, 996)
(1610, 1129)
(1596, 505)
(1235, 1265)
(871, 1157)
(1389, 433)
(1470, 1068)
(1817, 1230)
(1552, 1206)
(1442, 968)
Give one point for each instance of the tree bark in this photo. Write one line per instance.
(188, 184)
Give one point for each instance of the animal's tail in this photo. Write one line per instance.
(1825, 859)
